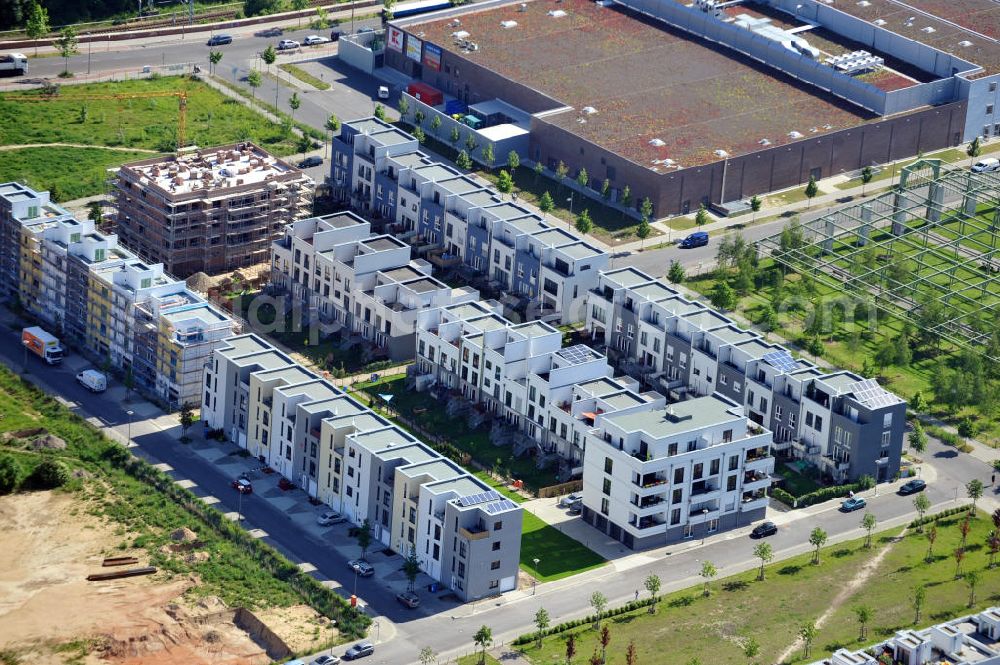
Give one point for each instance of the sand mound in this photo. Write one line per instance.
(184, 535)
(48, 442)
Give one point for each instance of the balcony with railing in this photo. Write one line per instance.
(702, 491)
(756, 480)
(650, 482)
(703, 512)
(649, 504)
(649, 522)
(475, 532)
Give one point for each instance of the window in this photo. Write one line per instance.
(461, 570)
(608, 464)
(495, 565)
(886, 436)
(989, 109)
(671, 450)
(714, 469)
(887, 421)
(699, 469)
(497, 526)
(809, 419)
(461, 549)
(607, 486)
(777, 412)
(677, 496)
(678, 476)
(723, 380)
(688, 531)
(713, 525)
(731, 483)
(818, 422)
(496, 546)
(793, 419)
(494, 584)
(734, 463)
(604, 506)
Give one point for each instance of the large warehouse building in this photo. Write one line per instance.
(713, 102)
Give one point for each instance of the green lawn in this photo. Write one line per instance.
(474, 659)
(45, 169)
(796, 483)
(304, 76)
(558, 555)
(212, 118)
(687, 625)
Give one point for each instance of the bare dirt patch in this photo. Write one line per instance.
(50, 545)
(300, 627)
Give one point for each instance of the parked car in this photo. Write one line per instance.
(913, 486)
(362, 568)
(365, 29)
(296, 662)
(325, 660)
(409, 599)
(570, 499)
(287, 45)
(852, 504)
(764, 529)
(242, 485)
(312, 40)
(270, 32)
(383, 92)
(335, 35)
(986, 165)
(219, 40)
(330, 517)
(359, 650)
(315, 160)
(696, 239)
(576, 507)
(93, 380)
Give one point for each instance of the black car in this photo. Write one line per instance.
(359, 650)
(269, 32)
(912, 487)
(219, 40)
(335, 36)
(764, 529)
(315, 160)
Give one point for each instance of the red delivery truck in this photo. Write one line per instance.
(425, 93)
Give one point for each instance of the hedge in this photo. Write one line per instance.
(782, 496)
(630, 606)
(927, 519)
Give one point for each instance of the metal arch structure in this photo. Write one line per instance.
(931, 241)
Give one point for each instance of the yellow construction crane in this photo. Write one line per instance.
(181, 95)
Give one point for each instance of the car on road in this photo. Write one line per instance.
(764, 529)
(359, 650)
(409, 599)
(329, 518)
(365, 29)
(335, 35)
(696, 239)
(219, 40)
(570, 499)
(315, 160)
(242, 485)
(986, 165)
(287, 45)
(852, 504)
(312, 40)
(92, 380)
(325, 660)
(912, 487)
(383, 92)
(270, 32)
(362, 568)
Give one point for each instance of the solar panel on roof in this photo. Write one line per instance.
(781, 360)
(482, 497)
(872, 395)
(500, 506)
(577, 354)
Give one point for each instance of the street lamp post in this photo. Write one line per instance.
(239, 504)
(876, 477)
(704, 517)
(128, 440)
(534, 581)
(570, 201)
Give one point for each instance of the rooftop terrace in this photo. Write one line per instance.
(694, 97)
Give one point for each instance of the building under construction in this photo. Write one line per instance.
(211, 211)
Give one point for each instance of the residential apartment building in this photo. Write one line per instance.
(98, 296)
(466, 535)
(523, 375)
(969, 640)
(366, 283)
(453, 220)
(688, 469)
(846, 425)
(211, 211)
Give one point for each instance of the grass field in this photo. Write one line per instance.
(135, 122)
(304, 76)
(794, 591)
(796, 483)
(46, 168)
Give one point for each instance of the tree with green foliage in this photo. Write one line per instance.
(387, 9)
(646, 209)
(454, 135)
(187, 418)
(755, 205)
(403, 106)
(418, 117)
(808, 633)
(864, 615)
(435, 124)
(261, 7)
(993, 542)
(95, 212)
(599, 602)
(868, 523)
(763, 552)
(751, 649)
(269, 56)
(36, 24)
(463, 161)
(364, 538)
(643, 231)
(504, 182)
(767, 318)
(582, 178)
(488, 156)
(918, 600)
(626, 198)
(974, 150)
(48, 475)
(917, 438)
(584, 224)
(379, 112)
(708, 573)
(427, 656)
(214, 58)
(67, 47)
(722, 296)
(332, 124)
(470, 142)
(921, 504)
(538, 168)
(676, 272)
(812, 189)
(545, 202)
(411, 568)
(561, 171)
(972, 580)
(866, 177)
(701, 217)
(817, 538)
(513, 161)
(9, 473)
(542, 621)
(254, 80)
(606, 189)
(483, 639)
(974, 488)
(294, 102)
(652, 585)
(420, 135)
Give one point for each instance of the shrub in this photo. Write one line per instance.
(49, 474)
(783, 496)
(9, 473)
(927, 519)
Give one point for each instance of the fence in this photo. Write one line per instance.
(559, 490)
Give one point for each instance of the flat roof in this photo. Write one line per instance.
(290, 374)
(731, 334)
(460, 185)
(402, 273)
(203, 311)
(460, 485)
(314, 390)
(410, 159)
(482, 198)
(269, 359)
(424, 284)
(528, 224)
(645, 80)
(842, 381)
(654, 291)
(534, 329)
(392, 137)
(599, 387)
(363, 420)
(627, 277)
(439, 469)
(382, 243)
(466, 310)
(341, 220)
(434, 172)
(706, 319)
(692, 414)
(623, 400)
(579, 250)
(244, 344)
(377, 439)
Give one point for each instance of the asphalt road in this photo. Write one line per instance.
(451, 631)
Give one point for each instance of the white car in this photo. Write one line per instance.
(311, 40)
(383, 92)
(330, 517)
(287, 45)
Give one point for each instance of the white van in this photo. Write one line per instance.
(986, 165)
(93, 380)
